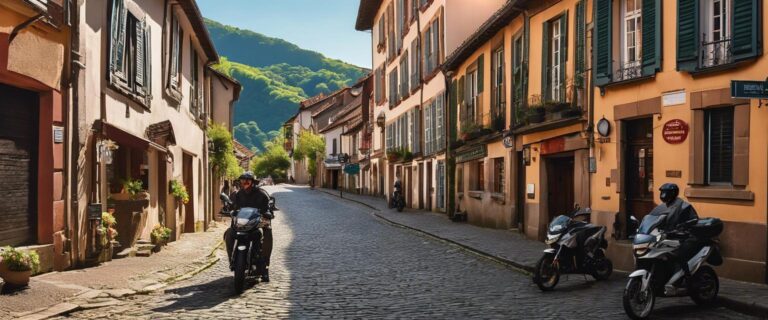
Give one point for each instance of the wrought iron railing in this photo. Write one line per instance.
(629, 70)
(498, 117)
(715, 53)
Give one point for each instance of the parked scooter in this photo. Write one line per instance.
(577, 247)
(247, 223)
(658, 273)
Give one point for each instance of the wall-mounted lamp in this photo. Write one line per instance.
(106, 150)
(527, 155)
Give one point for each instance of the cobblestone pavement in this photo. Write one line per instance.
(333, 259)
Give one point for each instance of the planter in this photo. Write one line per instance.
(572, 112)
(535, 117)
(159, 244)
(14, 278)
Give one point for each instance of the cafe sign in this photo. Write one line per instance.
(474, 153)
(675, 131)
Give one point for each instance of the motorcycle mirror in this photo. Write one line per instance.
(224, 198)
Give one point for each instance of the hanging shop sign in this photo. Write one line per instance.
(352, 169)
(749, 89)
(675, 131)
(476, 152)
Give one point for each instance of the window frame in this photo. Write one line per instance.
(725, 155)
(556, 50)
(499, 178)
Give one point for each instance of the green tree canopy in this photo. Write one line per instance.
(222, 156)
(274, 161)
(311, 147)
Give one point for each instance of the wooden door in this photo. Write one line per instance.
(189, 208)
(638, 166)
(560, 195)
(430, 187)
(18, 163)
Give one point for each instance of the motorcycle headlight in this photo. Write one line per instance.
(552, 238)
(641, 251)
(241, 222)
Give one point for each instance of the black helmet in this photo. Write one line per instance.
(668, 192)
(247, 176)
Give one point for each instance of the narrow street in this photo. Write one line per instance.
(333, 259)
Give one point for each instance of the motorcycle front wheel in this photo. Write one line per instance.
(638, 304)
(241, 266)
(546, 275)
(603, 269)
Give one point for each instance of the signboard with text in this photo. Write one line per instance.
(675, 131)
(749, 89)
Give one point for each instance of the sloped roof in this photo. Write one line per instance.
(201, 31)
(164, 129)
(366, 13)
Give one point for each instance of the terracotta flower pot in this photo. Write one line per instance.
(15, 278)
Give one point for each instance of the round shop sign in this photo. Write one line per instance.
(675, 131)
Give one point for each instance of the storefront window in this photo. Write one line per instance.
(719, 145)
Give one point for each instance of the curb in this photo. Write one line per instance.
(348, 199)
(753, 308)
(525, 269)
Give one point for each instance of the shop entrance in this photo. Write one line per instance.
(560, 184)
(189, 208)
(638, 157)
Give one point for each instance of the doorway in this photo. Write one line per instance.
(162, 189)
(638, 169)
(334, 179)
(189, 207)
(429, 188)
(560, 184)
(18, 165)
(408, 186)
(519, 178)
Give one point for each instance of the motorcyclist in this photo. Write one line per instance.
(398, 189)
(251, 195)
(680, 212)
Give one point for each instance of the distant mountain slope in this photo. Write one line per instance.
(276, 75)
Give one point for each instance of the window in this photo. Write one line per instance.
(717, 33)
(518, 76)
(379, 86)
(334, 147)
(499, 96)
(391, 38)
(393, 88)
(556, 59)
(441, 184)
(382, 27)
(195, 91)
(174, 80)
(404, 76)
(498, 175)
(130, 63)
(719, 145)
(460, 178)
(631, 33)
(415, 130)
(429, 128)
(432, 46)
(415, 65)
(479, 176)
(472, 96)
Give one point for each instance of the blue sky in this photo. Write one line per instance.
(325, 26)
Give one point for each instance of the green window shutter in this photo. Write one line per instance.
(581, 36)
(651, 36)
(563, 54)
(602, 42)
(526, 56)
(687, 35)
(452, 112)
(480, 73)
(746, 29)
(545, 39)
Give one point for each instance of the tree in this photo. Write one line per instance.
(274, 161)
(222, 156)
(310, 147)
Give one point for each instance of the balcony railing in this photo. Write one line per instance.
(498, 117)
(629, 70)
(715, 53)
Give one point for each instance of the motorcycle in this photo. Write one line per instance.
(397, 201)
(577, 247)
(248, 224)
(659, 274)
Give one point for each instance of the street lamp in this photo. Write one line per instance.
(105, 149)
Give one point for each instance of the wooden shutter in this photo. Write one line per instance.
(697, 146)
(147, 62)
(400, 23)
(563, 54)
(417, 130)
(141, 53)
(545, 65)
(580, 43)
(741, 145)
(651, 42)
(435, 45)
(747, 31)
(687, 35)
(439, 125)
(452, 112)
(602, 42)
(480, 73)
(117, 33)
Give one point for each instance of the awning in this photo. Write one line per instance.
(123, 137)
(161, 133)
(332, 164)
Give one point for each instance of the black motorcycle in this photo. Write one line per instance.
(577, 247)
(659, 274)
(397, 201)
(247, 223)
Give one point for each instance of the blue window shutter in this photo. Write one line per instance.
(687, 35)
(602, 42)
(747, 31)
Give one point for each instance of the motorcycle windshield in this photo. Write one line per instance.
(559, 225)
(248, 213)
(650, 222)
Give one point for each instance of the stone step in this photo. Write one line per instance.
(125, 253)
(142, 247)
(143, 241)
(143, 253)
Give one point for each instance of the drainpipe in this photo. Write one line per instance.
(73, 133)
(590, 120)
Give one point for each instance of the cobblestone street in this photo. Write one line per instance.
(334, 259)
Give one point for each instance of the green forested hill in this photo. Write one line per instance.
(276, 75)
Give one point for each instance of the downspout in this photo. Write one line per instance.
(591, 118)
(73, 133)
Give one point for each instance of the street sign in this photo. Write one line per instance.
(675, 131)
(352, 169)
(749, 89)
(509, 141)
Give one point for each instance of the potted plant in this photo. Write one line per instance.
(393, 155)
(572, 112)
(17, 266)
(179, 191)
(469, 130)
(406, 154)
(108, 235)
(160, 236)
(535, 114)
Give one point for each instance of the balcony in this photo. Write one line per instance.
(628, 71)
(715, 53)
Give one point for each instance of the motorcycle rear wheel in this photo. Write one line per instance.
(637, 304)
(241, 266)
(704, 286)
(546, 275)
